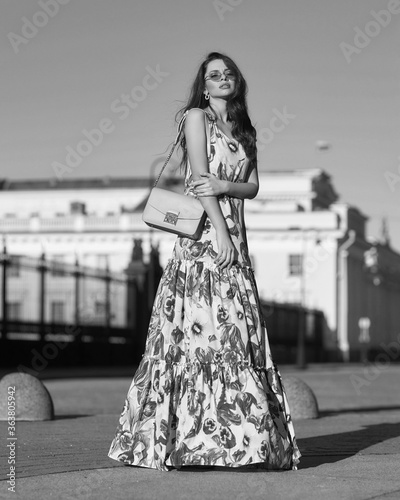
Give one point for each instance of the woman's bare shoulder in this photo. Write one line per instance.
(196, 112)
(195, 119)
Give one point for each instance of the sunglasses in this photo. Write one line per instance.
(216, 76)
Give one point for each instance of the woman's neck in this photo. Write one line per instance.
(220, 111)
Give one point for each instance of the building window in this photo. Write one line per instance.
(100, 309)
(57, 311)
(77, 207)
(102, 260)
(14, 267)
(14, 311)
(295, 264)
(57, 265)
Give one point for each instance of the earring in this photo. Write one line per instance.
(207, 96)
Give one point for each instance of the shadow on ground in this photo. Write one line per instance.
(334, 447)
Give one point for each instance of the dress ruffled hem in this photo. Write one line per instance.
(166, 424)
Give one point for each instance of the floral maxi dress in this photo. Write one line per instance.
(207, 391)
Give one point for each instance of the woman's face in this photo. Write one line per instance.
(224, 84)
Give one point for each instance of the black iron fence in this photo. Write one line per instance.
(96, 315)
(284, 322)
(42, 291)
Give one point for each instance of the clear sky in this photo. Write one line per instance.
(72, 72)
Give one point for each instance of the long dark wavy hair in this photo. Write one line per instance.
(242, 128)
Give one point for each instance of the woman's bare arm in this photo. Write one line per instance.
(209, 185)
(196, 143)
(247, 189)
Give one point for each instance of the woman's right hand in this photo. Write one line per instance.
(226, 250)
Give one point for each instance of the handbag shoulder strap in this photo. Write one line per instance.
(180, 127)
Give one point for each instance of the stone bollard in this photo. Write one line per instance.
(32, 399)
(302, 400)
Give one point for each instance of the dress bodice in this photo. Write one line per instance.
(227, 160)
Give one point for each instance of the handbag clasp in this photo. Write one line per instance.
(171, 217)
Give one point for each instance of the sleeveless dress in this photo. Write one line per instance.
(207, 391)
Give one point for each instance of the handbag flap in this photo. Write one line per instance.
(183, 206)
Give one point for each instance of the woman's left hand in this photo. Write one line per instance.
(208, 186)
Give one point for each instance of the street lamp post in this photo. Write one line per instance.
(302, 331)
(301, 337)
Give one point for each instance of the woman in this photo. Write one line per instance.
(206, 391)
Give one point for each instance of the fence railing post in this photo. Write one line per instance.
(301, 339)
(42, 294)
(77, 274)
(108, 300)
(4, 292)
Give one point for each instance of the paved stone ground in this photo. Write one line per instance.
(351, 452)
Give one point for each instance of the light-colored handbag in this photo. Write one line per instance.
(173, 212)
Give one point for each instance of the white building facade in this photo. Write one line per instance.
(306, 246)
